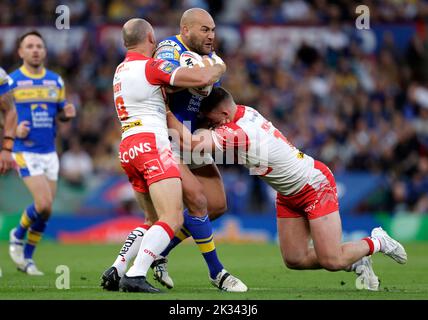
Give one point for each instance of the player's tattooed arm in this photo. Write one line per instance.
(8, 108)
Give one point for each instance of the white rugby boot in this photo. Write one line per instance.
(364, 270)
(226, 282)
(390, 247)
(30, 268)
(16, 249)
(160, 272)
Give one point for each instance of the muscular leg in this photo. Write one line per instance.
(333, 255)
(294, 236)
(196, 222)
(35, 217)
(328, 252)
(129, 249)
(169, 212)
(212, 184)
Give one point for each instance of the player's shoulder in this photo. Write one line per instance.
(170, 49)
(232, 135)
(16, 74)
(53, 76)
(3, 76)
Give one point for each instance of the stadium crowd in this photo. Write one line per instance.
(350, 109)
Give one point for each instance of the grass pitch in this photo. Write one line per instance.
(259, 266)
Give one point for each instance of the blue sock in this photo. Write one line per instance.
(201, 230)
(27, 219)
(34, 236)
(179, 236)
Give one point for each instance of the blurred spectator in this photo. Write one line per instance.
(76, 164)
(352, 109)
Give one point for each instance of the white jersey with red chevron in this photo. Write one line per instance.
(139, 96)
(266, 152)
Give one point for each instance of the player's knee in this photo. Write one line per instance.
(331, 263)
(44, 207)
(293, 263)
(196, 202)
(217, 211)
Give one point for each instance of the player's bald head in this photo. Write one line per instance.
(195, 15)
(135, 31)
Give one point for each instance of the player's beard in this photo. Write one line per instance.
(198, 46)
(35, 64)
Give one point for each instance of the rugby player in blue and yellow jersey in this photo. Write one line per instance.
(203, 190)
(39, 96)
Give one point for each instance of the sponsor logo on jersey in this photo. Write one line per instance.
(49, 82)
(152, 169)
(167, 67)
(134, 151)
(36, 93)
(24, 83)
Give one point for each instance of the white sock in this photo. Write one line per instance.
(129, 249)
(377, 244)
(155, 240)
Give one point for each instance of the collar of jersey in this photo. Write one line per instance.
(240, 110)
(179, 38)
(132, 55)
(28, 74)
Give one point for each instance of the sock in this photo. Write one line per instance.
(374, 245)
(202, 232)
(29, 216)
(155, 240)
(130, 249)
(34, 236)
(179, 237)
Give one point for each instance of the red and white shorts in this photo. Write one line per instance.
(145, 162)
(313, 200)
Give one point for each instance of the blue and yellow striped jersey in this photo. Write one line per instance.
(184, 104)
(4, 82)
(38, 99)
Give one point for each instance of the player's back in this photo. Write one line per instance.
(138, 95)
(38, 98)
(268, 154)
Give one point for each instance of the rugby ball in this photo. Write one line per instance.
(191, 59)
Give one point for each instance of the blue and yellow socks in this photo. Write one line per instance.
(29, 216)
(200, 229)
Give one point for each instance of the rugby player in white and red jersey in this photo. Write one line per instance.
(307, 202)
(145, 151)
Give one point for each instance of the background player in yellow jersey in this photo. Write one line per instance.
(39, 96)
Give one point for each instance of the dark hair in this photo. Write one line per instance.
(30, 33)
(217, 96)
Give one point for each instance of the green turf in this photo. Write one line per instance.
(259, 266)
